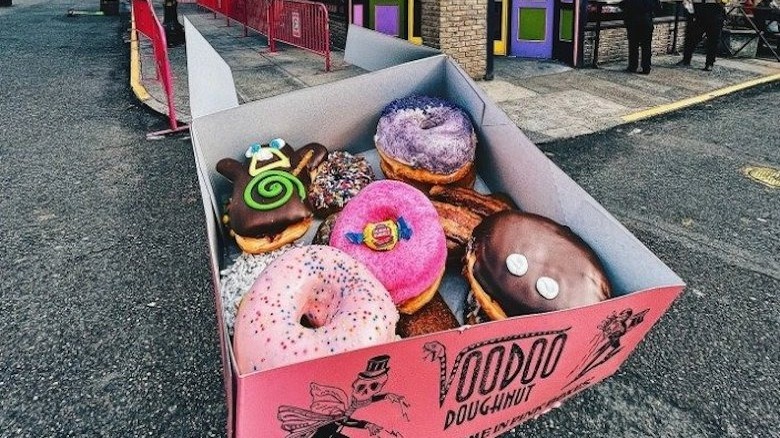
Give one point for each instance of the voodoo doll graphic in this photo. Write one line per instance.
(331, 409)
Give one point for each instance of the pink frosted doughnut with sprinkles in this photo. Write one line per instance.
(311, 302)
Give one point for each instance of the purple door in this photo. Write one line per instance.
(531, 26)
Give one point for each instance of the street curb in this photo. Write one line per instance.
(135, 64)
(684, 103)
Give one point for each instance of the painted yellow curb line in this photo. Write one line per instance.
(669, 107)
(135, 64)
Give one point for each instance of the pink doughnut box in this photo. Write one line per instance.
(478, 381)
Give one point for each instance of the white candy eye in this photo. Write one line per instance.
(517, 264)
(265, 154)
(252, 149)
(277, 143)
(547, 287)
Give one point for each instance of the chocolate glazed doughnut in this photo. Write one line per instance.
(268, 208)
(520, 263)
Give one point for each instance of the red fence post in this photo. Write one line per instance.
(272, 24)
(148, 24)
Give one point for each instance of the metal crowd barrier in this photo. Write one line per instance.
(299, 23)
(212, 5)
(147, 23)
(215, 6)
(303, 24)
(252, 14)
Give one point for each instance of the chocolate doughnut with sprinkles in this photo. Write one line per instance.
(337, 180)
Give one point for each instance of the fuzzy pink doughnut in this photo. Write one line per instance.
(414, 264)
(346, 305)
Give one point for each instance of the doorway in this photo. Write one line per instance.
(414, 22)
(531, 25)
(563, 48)
(388, 17)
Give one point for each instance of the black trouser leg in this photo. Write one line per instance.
(174, 31)
(633, 44)
(714, 29)
(646, 41)
(693, 34)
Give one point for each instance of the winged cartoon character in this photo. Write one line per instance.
(607, 343)
(332, 410)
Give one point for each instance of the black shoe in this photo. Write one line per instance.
(630, 70)
(645, 71)
(707, 67)
(683, 63)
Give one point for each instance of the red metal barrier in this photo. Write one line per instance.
(216, 6)
(299, 23)
(146, 23)
(212, 5)
(302, 24)
(257, 15)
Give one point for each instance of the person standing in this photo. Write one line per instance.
(638, 18)
(174, 31)
(708, 16)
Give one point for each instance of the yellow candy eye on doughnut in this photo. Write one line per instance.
(382, 236)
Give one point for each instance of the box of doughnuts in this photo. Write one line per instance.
(392, 257)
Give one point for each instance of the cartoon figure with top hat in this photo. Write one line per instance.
(331, 409)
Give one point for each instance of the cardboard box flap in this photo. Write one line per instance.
(372, 50)
(209, 78)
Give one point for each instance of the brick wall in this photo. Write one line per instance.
(338, 32)
(613, 43)
(457, 28)
(431, 22)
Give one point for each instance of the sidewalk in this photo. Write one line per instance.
(547, 100)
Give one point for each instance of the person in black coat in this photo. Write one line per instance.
(638, 18)
(708, 17)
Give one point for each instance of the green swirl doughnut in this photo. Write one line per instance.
(271, 184)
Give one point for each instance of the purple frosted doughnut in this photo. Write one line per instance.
(426, 132)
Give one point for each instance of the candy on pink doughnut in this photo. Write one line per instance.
(348, 307)
(413, 265)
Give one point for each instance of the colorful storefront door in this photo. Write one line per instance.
(388, 17)
(531, 25)
(564, 25)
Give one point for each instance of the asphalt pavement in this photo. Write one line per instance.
(107, 310)
(105, 306)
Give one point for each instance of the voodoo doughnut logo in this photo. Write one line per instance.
(494, 375)
(331, 410)
(606, 343)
